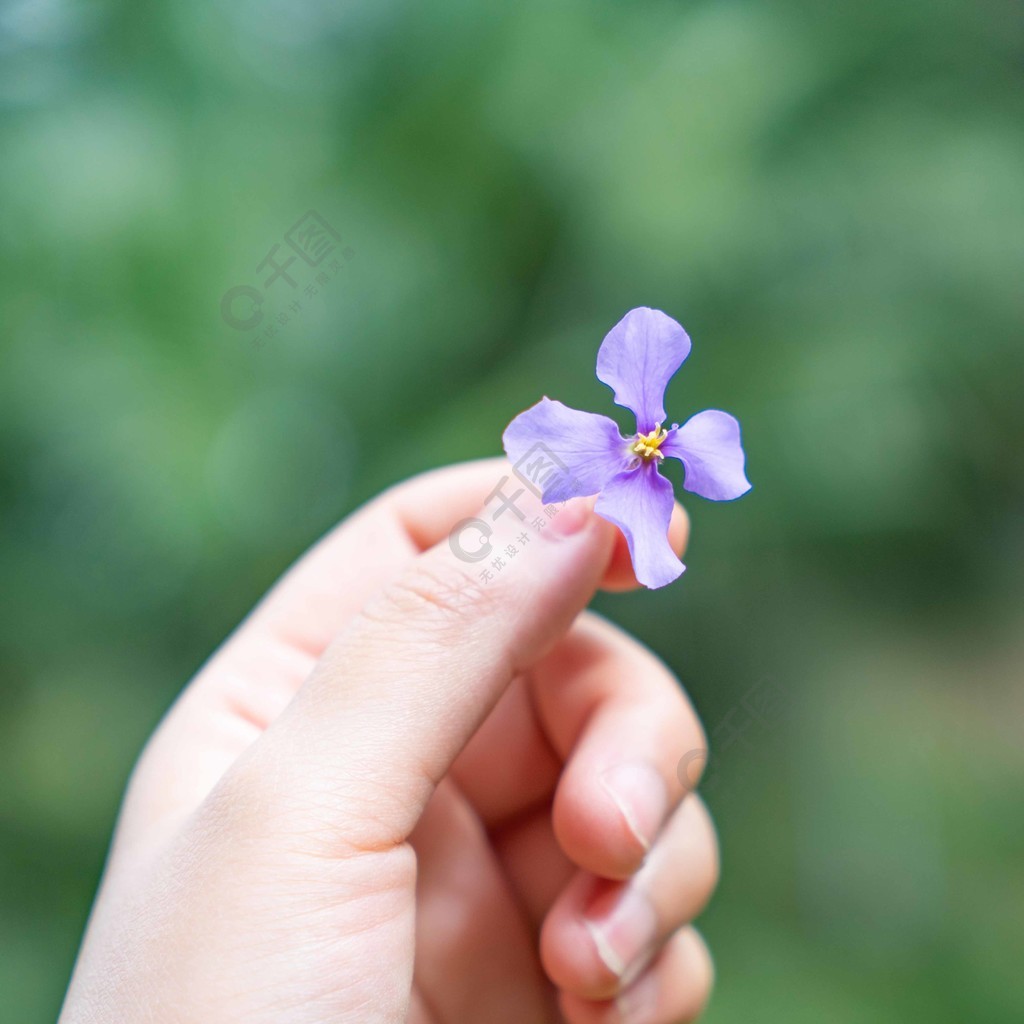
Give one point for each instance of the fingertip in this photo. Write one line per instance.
(574, 956)
(620, 576)
(676, 986)
(607, 825)
(679, 529)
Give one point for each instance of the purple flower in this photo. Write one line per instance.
(636, 360)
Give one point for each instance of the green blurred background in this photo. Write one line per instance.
(830, 197)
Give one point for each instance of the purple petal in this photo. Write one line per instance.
(636, 360)
(639, 502)
(564, 452)
(708, 445)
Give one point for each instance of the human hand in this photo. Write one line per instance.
(397, 793)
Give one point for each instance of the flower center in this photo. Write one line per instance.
(647, 445)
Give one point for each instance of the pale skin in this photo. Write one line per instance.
(398, 793)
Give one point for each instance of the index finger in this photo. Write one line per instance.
(336, 577)
(254, 675)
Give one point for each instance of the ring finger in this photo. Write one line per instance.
(600, 933)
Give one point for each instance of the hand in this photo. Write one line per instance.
(398, 793)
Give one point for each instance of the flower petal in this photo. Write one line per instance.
(708, 445)
(639, 502)
(564, 452)
(636, 360)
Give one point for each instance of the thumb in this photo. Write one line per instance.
(358, 752)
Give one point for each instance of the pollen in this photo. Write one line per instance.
(647, 445)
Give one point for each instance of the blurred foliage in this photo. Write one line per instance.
(828, 196)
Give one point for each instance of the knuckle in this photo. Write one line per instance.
(241, 806)
(679, 717)
(434, 593)
(662, 688)
(712, 852)
(689, 738)
(685, 867)
(702, 970)
(229, 815)
(695, 842)
(268, 807)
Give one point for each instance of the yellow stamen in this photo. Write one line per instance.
(647, 445)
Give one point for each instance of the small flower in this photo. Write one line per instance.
(636, 360)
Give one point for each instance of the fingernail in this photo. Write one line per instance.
(569, 518)
(638, 1001)
(623, 927)
(639, 792)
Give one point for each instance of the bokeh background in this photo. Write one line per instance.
(828, 196)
